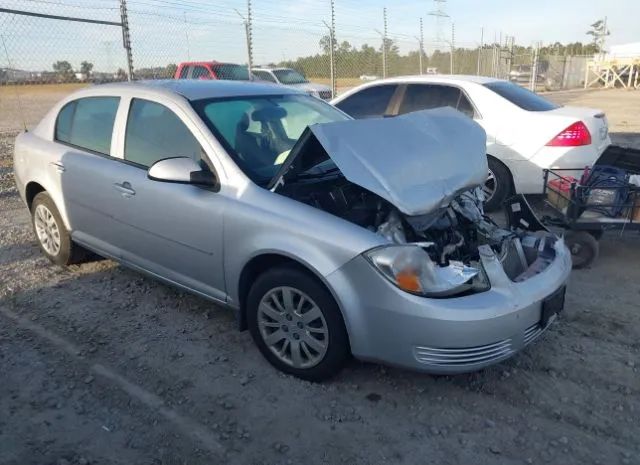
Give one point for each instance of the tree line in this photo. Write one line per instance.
(352, 62)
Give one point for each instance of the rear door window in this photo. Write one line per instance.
(232, 72)
(263, 75)
(521, 97)
(200, 72)
(368, 103)
(427, 96)
(88, 123)
(154, 133)
(184, 72)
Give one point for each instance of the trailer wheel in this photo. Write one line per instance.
(583, 246)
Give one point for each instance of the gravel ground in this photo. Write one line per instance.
(101, 365)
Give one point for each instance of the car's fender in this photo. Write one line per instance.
(316, 239)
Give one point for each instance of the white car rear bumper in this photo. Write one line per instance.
(528, 175)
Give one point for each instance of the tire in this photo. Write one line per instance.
(499, 184)
(52, 235)
(583, 246)
(321, 354)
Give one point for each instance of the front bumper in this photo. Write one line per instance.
(445, 336)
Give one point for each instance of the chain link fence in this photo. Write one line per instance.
(340, 44)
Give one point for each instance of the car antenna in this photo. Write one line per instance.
(20, 109)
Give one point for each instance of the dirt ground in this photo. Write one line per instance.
(100, 365)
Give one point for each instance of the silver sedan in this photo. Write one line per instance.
(327, 236)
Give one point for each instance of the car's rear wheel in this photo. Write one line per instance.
(53, 237)
(296, 324)
(498, 186)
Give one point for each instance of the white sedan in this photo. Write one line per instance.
(526, 133)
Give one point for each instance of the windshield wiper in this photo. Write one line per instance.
(318, 175)
(322, 174)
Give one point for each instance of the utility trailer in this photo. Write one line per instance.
(573, 210)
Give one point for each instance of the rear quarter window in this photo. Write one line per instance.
(88, 123)
(63, 123)
(521, 97)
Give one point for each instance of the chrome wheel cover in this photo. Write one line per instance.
(293, 327)
(47, 230)
(490, 186)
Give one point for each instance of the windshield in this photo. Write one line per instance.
(232, 72)
(289, 76)
(258, 132)
(521, 97)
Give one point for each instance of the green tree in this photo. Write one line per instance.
(171, 70)
(86, 68)
(325, 44)
(598, 33)
(64, 71)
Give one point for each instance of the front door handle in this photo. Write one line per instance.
(58, 166)
(125, 189)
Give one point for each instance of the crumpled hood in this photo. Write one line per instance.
(418, 162)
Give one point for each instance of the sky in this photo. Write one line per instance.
(165, 31)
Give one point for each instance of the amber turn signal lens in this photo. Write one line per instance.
(408, 280)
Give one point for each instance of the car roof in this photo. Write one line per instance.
(193, 89)
(440, 78)
(268, 68)
(208, 62)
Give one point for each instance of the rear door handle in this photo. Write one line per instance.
(124, 188)
(58, 166)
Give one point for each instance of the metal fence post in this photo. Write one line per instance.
(332, 69)
(247, 32)
(453, 46)
(421, 42)
(384, 44)
(332, 58)
(126, 37)
(480, 50)
(534, 70)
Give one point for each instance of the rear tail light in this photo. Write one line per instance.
(575, 135)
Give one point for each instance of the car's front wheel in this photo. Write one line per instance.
(296, 324)
(53, 237)
(498, 186)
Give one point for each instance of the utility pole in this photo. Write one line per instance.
(247, 30)
(453, 45)
(480, 50)
(126, 38)
(440, 14)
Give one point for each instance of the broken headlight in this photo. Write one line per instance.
(411, 269)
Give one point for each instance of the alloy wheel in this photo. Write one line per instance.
(47, 230)
(490, 186)
(293, 327)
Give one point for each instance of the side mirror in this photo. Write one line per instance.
(183, 170)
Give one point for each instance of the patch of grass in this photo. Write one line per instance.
(31, 89)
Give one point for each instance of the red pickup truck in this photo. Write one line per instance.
(212, 70)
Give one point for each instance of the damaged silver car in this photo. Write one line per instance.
(328, 237)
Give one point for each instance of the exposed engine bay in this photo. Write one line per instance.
(451, 236)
